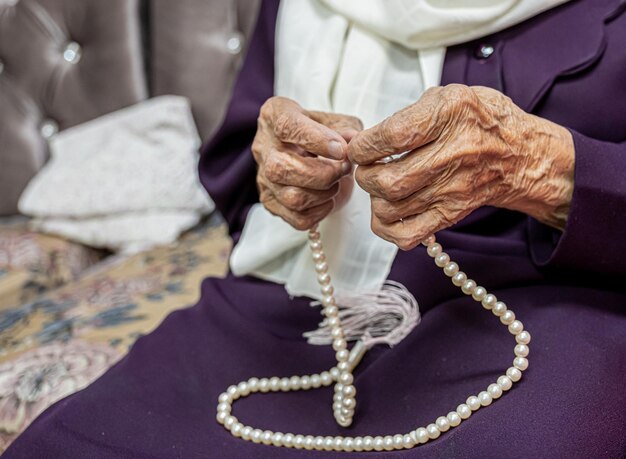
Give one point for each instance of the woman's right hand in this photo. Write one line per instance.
(303, 171)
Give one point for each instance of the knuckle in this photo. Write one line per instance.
(393, 133)
(283, 125)
(295, 199)
(275, 171)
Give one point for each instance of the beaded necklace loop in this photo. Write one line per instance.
(344, 399)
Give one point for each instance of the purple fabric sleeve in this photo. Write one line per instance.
(593, 239)
(227, 168)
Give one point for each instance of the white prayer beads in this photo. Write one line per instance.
(344, 399)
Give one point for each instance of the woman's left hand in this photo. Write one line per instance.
(464, 147)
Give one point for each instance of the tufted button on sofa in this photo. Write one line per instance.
(64, 62)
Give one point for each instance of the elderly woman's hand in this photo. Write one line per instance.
(303, 169)
(466, 147)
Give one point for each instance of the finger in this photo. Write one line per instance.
(347, 126)
(399, 179)
(304, 172)
(291, 124)
(299, 220)
(405, 130)
(299, 199)
(393, 211)
(409, 232)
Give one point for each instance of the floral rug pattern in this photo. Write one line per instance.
(57, 343)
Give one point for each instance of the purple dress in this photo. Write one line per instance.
(567, 65)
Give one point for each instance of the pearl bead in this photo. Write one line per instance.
(246, 432)
(233, 392)
(358, 444)
(338, 443)
(342, 355)
(264, 385)
(274, 383)
(326, 378)
(315, 381)
(468, 287)
(398, 441)
(343, 366)
(349, 403)
(318, 257)
(277, 439)
(314, 235)
(226, 407)
(316, 246)
(223, 398)
(285, 384)
(328, 300)
(253, 384)
(429, 240)
(442, 423)
(221, 416)
(298, 441)
(459, 278)
(442, 259)
(327, 290)
(521, 350)
(454, 419)
(368, 443)
(336, 333)
(349, 391)
(422, 435)
(499, 308)
(333, 322)
(323, 279)
(388, 443)
(243, 388)
(334, 373)
(255, 436)
(485, 398)
(321, 267)
(464, 411)
(348, 444)
(295, 383)
(346, 378)
(495, 391)
(523, 337)
(479, 293)
(520, 363)
(508, 317)
(339, 344)
(516, 327)
(434, 250)
(433, 431)
(505, 383)
(305, 382)
(266, 437)
(378, 443)
(451, 269)
(318, 444)
(288, 440)
(309, 442)
(473, 402)
(329, 443)
(514, 374)
(489, 301)
(230, 421)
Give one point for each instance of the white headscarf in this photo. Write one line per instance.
(367, 58)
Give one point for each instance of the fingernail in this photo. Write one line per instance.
(346, 167)
(335, 149)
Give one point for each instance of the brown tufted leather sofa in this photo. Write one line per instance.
(64, 62)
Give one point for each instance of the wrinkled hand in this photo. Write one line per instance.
(466, 147)
(303, 171)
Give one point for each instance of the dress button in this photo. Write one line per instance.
(48, 128)
(484, 51)
(234, 42)
(72, 52)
